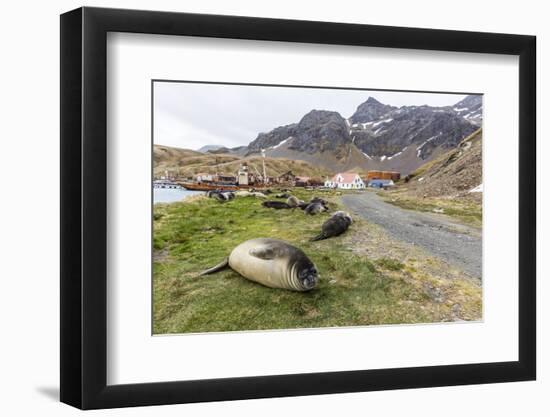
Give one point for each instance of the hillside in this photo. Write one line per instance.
(185, 163)
(456, 174)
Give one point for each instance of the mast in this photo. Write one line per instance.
(263, 164)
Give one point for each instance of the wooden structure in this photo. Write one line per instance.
(383, 175)
(287, 177)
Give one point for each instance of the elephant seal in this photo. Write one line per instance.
(277, 205)
(273, 263)
(293, 201)
(314, 208)
(337, 224)
(282, 195)
(212, 193)
(243, 193)
(219, 196)
(229, 195)
(319, 200)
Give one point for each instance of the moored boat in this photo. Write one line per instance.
(203, 186)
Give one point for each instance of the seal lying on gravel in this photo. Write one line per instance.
(337, 224)
(273, 263)
(276, 205)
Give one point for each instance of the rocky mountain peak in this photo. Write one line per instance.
(319, 131)
(370, 110)
(315, 117)
(470, 108)
(372, 100)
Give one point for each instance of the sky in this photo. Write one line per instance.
(191, 115)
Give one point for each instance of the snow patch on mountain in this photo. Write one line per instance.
(397, 154)
(478, 189)
(380, 122)
(419, 149)
(280, 143)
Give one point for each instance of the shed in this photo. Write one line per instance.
(381, 183)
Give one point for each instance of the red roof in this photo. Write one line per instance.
(347, 177)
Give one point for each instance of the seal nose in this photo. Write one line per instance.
(310, 280)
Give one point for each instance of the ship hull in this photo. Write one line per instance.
(193, 186)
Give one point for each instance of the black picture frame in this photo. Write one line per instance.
(84, 207)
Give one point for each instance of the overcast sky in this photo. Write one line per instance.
(189, 115)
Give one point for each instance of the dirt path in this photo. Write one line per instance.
(455, 243)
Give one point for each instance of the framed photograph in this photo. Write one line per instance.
(256, 208)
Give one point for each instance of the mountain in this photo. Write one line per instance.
(376, 136)
(455, 174)
(423, 127)
(471, 109)
(186, 163)
(370, 110)
(208, 148)
(317, 131)
(239, 150)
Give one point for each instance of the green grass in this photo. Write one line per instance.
(390, 264)
(192, 236)
(465, 211)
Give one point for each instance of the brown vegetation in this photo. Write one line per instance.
(186, 163)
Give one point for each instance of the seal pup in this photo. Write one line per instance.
(273, 263)
(319, 200)
(282, 195)
(242, 193)
(228, 195)
(337, 224)
(212, 193)
(277, 205)
(293, 201)
(220, 197)
(315, 208)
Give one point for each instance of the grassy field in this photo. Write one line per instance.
(465, 211)
(353, 289)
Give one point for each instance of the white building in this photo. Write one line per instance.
(346, 180)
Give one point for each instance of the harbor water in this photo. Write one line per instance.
(172, 195)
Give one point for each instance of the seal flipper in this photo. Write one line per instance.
(320, 236)
(216, 268)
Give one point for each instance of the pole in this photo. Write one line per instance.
(263, 163)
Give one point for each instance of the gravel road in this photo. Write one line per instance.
(457, 244)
